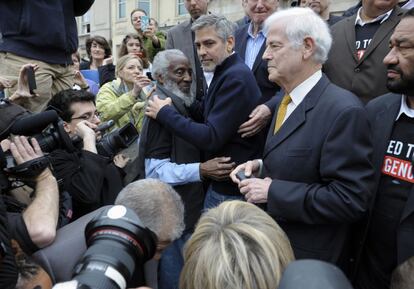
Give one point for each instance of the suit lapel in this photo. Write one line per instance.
(296, 119)
(259, 57)
(241, 42)
(350, 36)
(382, 32)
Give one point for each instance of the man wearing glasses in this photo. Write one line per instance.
(92, 180)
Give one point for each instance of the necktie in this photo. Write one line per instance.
(281, 112)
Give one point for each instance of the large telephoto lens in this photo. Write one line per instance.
(118, 245)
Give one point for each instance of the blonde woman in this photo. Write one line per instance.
(235, 246)
(121, 100)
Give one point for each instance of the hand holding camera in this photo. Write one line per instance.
(26, 83)
(140, 82)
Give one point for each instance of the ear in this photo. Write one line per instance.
(308, 47)
(230, 44)
(159, 78)
(66, 127)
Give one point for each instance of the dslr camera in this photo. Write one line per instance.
(118, 246)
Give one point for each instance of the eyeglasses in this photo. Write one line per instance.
(87, 116)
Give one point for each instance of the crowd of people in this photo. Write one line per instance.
(271, 152)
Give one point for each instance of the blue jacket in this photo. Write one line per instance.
(231, 97)
(41, 30)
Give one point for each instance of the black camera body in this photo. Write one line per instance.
(118, 245)
(116, 140)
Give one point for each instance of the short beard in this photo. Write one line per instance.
(402, 86)
(172, 87)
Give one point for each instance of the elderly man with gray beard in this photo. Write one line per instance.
(166, 156)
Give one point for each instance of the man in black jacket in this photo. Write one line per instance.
(43, 33)
(92, 180)
(389, 240)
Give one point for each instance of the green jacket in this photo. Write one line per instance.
(114, 101)
(149, 47)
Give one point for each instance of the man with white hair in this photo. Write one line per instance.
(315, 173)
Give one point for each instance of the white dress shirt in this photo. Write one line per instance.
(299, 92)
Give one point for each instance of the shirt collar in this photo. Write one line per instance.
(404, 109)
(300, 91)
(381, 18)
(250, 31)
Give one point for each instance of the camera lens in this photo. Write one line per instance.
(118, 245)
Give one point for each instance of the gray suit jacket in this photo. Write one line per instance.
(367, 77)
(179, 37)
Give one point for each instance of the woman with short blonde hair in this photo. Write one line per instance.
(235, 246)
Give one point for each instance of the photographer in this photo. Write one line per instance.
(157, 205)
(34, 228)
(91, 179)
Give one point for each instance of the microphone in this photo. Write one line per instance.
(34, 123)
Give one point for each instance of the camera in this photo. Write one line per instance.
(118, 246)
(47, 128)
(116, 140)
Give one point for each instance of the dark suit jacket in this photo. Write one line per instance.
(365, 78)
(180, 37)
(382, 113)
(232, 95)
(320, 165)
(267, 88)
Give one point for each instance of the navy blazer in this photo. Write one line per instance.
(320, 165)
(382, 113)
(259, 69)
(232, 95)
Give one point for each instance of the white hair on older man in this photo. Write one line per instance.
(301, 23)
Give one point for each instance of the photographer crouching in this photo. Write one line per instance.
(91, 179)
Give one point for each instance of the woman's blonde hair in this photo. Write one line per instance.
(122, 61)
(235, 246)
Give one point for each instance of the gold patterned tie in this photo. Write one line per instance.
(281, 112)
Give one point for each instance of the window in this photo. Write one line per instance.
(121, 9)
(181, 8)
(85, 23)
(144, 5)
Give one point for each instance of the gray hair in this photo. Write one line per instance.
(157, 205)
(301, 23)
(221, 25)
(162, 61)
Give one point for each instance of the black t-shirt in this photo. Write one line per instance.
(393, 191)
(363, 37)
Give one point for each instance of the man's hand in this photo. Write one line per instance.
(259, 118)
(5, 83)
(255, 190)
(120, 160)
(217, 169)
(86, 131)
(139, 83)
(23, 151)
(250, 168)
(155, 105)
(23, 90)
